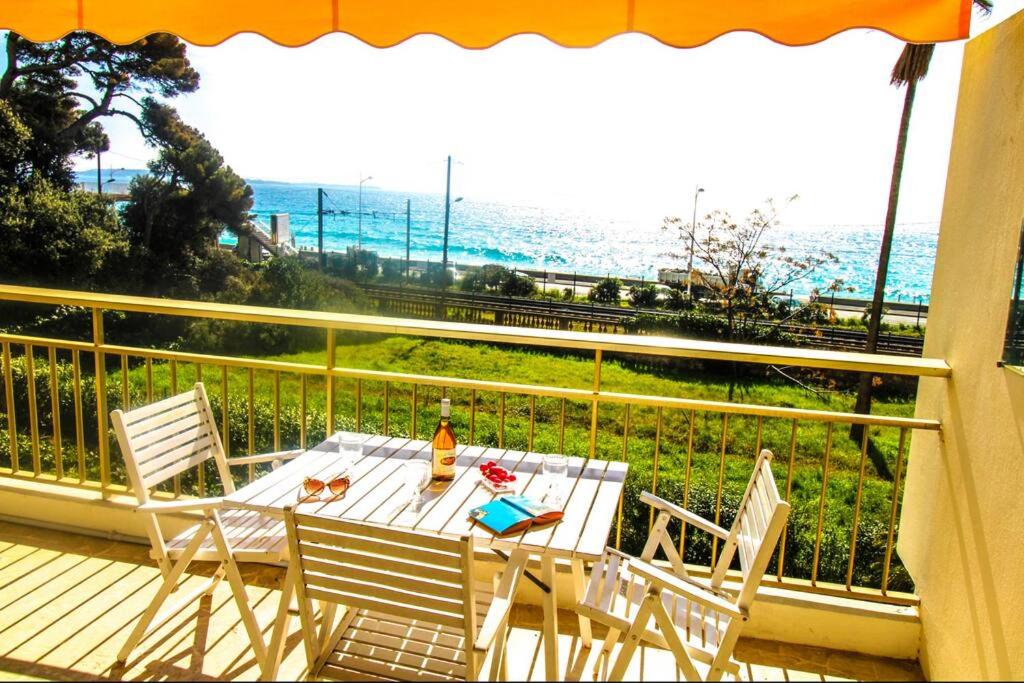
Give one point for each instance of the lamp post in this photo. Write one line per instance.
(447, 217)
(360, 212)
(693, 233)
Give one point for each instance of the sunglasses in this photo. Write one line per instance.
(313, 489)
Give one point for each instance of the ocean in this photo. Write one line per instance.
(560, 239)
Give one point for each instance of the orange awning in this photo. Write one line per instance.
(482, 23)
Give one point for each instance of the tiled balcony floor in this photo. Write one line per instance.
(67, 603)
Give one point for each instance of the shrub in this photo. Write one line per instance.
(606, 291)
(643, 296)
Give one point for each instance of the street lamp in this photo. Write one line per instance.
(360, 212)
(693, 233)
(444, 253)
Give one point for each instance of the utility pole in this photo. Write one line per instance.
(444, 249)
(99, 175)
(320, 227)
(361, 181)
(408, 224)
(447, 216)
(693, 234)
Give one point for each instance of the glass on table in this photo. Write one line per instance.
(350, 448)
(555, 469)
(416, 477)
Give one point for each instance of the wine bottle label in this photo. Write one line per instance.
(444, 461)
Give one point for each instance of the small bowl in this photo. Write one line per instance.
(504, 487)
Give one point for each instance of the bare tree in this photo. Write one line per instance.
(740, 266)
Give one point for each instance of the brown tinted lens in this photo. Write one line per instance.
(339, 486)
(312, 487)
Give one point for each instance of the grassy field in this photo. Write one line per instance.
(714, 457)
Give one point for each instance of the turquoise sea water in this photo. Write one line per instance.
(566, 240)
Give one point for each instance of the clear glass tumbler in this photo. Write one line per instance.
(555, 469)
(416, 475)
(350, 448)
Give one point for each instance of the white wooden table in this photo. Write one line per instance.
(377, 494)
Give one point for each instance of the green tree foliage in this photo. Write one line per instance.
(606, 291)
(282, 282)
(517, 284)
(486, 278)
(643, 296)
(497, 280)
(54, 237)
(176, 213)
(14, 141)
(62, 89)
(392, 270)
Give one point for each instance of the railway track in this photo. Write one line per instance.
(598, 318)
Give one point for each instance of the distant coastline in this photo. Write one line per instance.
(558, 239)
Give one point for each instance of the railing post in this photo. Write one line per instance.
(12, 426)
(330, 380)
(101, 397)
(593, 410)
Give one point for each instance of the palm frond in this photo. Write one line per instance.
(913, 64)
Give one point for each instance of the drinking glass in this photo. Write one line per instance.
(555, 469)
(350, 447)
(417, 477)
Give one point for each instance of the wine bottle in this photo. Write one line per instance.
(443, 456)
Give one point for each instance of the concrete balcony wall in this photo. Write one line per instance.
(961, 535)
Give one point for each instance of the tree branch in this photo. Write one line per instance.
(7, 81)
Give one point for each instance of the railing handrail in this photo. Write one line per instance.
(752, 409)
(612, 343)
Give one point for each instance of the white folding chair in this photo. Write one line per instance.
(165, 439)
(410, 605)
(696, 619)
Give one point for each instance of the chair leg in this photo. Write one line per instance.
(169, 584)
(217, 577)
(632, 640)
(498, 660)
(610, 639)
(579, 583)
(281, 624)
(238, 590)
(675, 644)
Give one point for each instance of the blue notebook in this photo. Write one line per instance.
(512, 514)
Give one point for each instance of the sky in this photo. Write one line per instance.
(628, 128)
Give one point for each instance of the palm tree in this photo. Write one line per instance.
(910, 69)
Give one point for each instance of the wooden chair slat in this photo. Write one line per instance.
(380, 625)
(181, 452)
(375, 561)
(166, 473)
(359, 600)
(408, 655)
(752, 515)
(369, 545)
(162, 406)
(385, 534)
(142, 428)
(385, 595)
(384, 579)
(151, 444)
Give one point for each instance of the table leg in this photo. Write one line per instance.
(579, 585)
(548, 576)
(280, 633)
